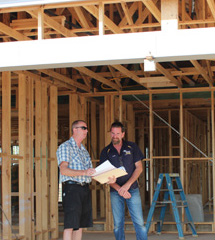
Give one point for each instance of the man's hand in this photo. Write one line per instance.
(89, 172)
(123, 191)
(111, 180)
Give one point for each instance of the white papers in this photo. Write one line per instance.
(107, 170)
(104, 167)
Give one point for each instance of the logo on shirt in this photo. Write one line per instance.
(127, 152)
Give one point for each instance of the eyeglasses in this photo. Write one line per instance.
(82, 127)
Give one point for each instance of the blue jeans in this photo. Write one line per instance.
(135, 210)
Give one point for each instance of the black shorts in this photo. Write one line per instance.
(77, 206)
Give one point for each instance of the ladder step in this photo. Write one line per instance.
(182, 206)
(165, 190)
(164, 202)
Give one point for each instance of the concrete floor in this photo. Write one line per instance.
(131, 236)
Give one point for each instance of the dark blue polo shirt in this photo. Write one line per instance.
(130, 154)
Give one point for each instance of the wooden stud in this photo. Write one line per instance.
(38, 157)
(6, 150)
(93, 146)
(73, 111)
(53, 130)
(213, 153)
(130, 123)
(101, 146)
(22, 152)
(109, 118)
(44, 133)
(151, 150)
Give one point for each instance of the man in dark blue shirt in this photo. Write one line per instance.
(128, 155)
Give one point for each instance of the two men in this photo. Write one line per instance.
(76, 171)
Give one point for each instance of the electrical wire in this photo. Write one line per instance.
(175, 130)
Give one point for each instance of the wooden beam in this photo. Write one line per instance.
(53, 24)
(201, 71)
(96, 76)
(211, 5)
(32, 23)
(38, 155)
(128, 73)
(12, 33)
(109, 23)
(127, 14)
(55, 82)
(64, 79)
(167, 74)
(160, 45)
(153, 9)
(81, 17)
(6, 151)
(53, 185)
(44, 155)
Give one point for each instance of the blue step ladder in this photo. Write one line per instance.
(169, 192)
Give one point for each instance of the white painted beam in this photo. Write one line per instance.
(189, 44)
(24, 3)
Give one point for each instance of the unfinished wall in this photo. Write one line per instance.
(33, 165)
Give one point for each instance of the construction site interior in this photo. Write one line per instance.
(149, 64)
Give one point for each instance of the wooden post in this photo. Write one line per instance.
(209, 138)
(109, 118)
(29, 159)
(6, 151)
(101, 18)
(181, 146)
(93, 146)
(73, 110)
(38, 157)
(53, 120)
(169, 15)
(170, 142)
(151, 146)
(213, 153)
(44, 133)
(22, 152)
(101, 146)
(40, 23)
(130, 123)
(141, 143)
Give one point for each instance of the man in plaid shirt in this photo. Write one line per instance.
(75, 174)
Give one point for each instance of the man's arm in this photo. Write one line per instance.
(65, 170)
(123, 191)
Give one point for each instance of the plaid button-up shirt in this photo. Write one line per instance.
(78, 159)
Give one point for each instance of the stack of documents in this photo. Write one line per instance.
(106, 170)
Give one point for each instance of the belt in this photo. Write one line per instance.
(73, 182)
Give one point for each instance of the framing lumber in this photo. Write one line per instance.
(38, 157)
(44, 153)
(53, 120)
(96, 76)
(153, 9)
(109, 119)
(53, 24)
(213, 148)
(6, 151)
(202, 72)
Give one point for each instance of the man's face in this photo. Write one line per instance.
(116, 135)
(81, 130)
